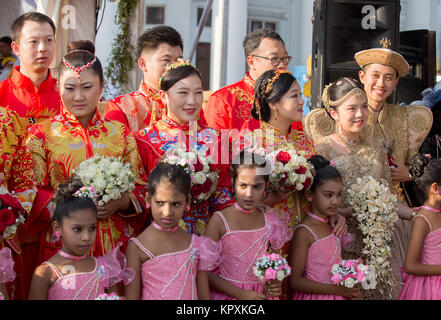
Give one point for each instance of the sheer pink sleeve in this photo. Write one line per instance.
(279, 233)
(113, 268)
(7, 273)
(209, 253)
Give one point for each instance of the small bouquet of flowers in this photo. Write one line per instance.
(350, 272)
(290, 170)
(109, 176)
(11, 214)
(199, 166)
(270, 267)
(374, 207)
(111, 296)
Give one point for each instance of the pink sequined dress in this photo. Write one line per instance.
(172, 276)
(322, 255)
(109, 270)
(242, 248)
(425, 287)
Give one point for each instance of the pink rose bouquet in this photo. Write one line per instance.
(350, 272)
(270, 267)
(111, 296)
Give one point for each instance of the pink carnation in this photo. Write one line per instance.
(349, 263)
(274, 256)
(270, 274)
(335, 278)
(360, 276)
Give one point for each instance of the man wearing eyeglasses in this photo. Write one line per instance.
(230, 106)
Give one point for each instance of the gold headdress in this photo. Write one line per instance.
(328, 103)
(179, 63)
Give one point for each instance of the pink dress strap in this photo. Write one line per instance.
(54, 269)
(140, 246)
(309, 229)
(425, 218)
(227, 228)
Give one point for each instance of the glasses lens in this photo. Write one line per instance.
(287, 60)
(275, 61)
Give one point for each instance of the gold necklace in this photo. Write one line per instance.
(348, 143)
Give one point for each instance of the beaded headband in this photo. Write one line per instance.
(78, 70)
(276, 76)
(86, 192)
(355, 91)
(178, 64)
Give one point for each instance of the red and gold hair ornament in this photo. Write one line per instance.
(78, 70)
(178, 64)
(276, 76)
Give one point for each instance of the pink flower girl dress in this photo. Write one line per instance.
(172, 276)
(242, 248)
(322, 255)
(425, 287)
(7, 273)
(109, 270)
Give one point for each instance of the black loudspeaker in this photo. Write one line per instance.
(418, 47)
(343, 27)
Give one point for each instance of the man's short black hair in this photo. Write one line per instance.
(17, 25)
(153, 37)
(253, 39)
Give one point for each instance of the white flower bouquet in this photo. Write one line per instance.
(290, 170)
(203, 177)
(350, 272)
(374, 207)
(109, 176)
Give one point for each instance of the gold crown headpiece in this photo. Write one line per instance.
(178, 64)
(276, 76)
(328, 103)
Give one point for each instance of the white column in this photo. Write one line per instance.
(217, 43)
(237, 30)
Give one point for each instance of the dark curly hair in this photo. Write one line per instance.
(175, 174)
(66, 202)
(246, 159)
(278, 89)
(324, 171)
(425, 171)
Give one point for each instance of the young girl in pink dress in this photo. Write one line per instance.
(72, 274)
(7, 273)
(169, 263)
(315, 249)
(245, 231)
(422, 280)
